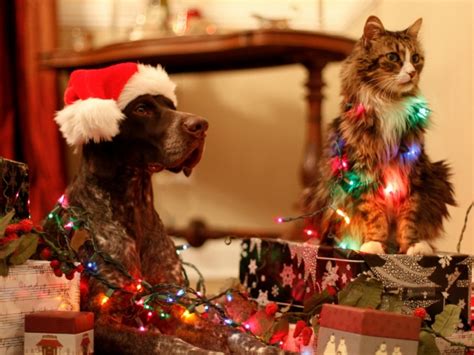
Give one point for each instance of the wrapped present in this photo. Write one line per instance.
(14, 188)
(59, 332)
(28, 288)
(353, 330)
(445, 348)
(290, 273)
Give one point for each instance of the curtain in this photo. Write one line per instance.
(28, 99)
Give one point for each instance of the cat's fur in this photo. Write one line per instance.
(382, 74)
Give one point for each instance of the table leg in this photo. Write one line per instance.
(313, 146)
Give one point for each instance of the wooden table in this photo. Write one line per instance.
(236, 50)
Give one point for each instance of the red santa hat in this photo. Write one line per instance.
(95, 99)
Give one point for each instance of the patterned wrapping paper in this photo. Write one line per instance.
(28, 288)
(352, 330)
(65, 332)
(371, 322)
(445, 348)
(14, 188)
(289, 273)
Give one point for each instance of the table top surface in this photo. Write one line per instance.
(200, 53)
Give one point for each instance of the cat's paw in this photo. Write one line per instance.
(420, 248)
(372, 248)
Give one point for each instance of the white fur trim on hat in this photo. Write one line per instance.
(89, 120)
(147, 80)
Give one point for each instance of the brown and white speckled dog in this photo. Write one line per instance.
(375, 168)
(114, 188)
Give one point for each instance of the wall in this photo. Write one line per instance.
(249, 171)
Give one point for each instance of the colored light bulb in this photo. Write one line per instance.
(104, 299)
(343, 215)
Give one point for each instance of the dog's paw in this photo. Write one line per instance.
(420, 248)
(372, 248)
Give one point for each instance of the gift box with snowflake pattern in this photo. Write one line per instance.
(290, 273)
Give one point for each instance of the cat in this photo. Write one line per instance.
(377, 190)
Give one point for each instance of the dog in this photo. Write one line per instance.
(114, 189)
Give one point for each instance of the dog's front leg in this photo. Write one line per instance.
(111, 338)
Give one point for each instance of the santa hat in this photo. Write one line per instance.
(95, 99)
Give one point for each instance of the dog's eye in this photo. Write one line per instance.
(142, 109)
(392, 56)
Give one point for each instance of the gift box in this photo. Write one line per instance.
(289, 273)
(28, 288)
(59, 332)
(14, 188)
(445, 348)
(354, 330)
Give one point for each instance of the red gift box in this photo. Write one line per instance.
(366, 331)
(50, 331)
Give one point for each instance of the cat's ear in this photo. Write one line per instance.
(373, 27)
(415, 28)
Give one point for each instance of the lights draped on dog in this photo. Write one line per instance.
(145, 306)
(95, 99)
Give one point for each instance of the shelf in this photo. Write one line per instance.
(237, 50)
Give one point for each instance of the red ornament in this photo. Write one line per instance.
(271, 309)
(300, 325)
(420, 313)
(306, 334)
(58, 272)
(46, 253)
(70, 275)
(79, 268)
(331, 290)
(55, 264)
(12, 228)
(26, 225)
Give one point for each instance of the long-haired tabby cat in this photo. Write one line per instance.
(377, 189)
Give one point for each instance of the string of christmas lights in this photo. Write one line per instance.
(145, 304)
(351, 183)
(151, 297)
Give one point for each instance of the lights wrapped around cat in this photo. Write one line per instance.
(375, 172)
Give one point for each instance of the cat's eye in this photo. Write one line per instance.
(393, 57)
(415, 58)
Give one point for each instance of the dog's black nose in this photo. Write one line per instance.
(195, 126)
